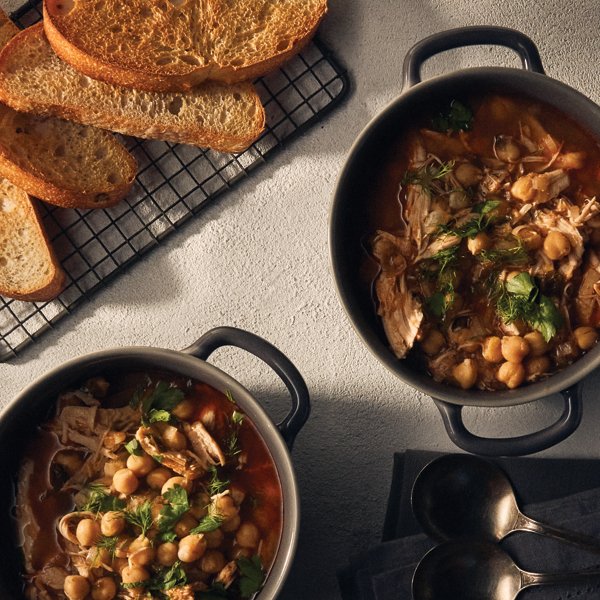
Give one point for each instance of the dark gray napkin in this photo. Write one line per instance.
(551, 490)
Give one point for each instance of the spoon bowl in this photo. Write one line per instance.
(479, 571)
(458, 496)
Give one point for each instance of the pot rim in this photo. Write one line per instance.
(558, 382)
(178, 362)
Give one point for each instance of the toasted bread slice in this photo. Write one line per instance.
(63, 163)
(33, 79)
(28, 267)
(175, 45)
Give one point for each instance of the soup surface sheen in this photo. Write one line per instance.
(147, 485)
(484, 243)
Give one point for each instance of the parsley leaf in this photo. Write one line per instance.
(168, 578)
(216, 592)
(100, 500)
(208, 523)
(133, 447)
(458, 118)
(252, 576)
(158, 416)
(158, 402)
(140, 516)
(178, 505)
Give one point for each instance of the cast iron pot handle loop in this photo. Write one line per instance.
(230, 336)
(469, 36)
(517, 446)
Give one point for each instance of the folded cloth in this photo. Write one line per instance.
(385, 571)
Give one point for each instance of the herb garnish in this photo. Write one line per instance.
(133, 447)
(252, 576)
(232, 443)
(109, 543)
(140, 516)
(427, 175)
(158, 402)
(520, 298)
(470, 229)
(168, 578)
(458, 118)
(101, 500)
(178, 505)
(216, 485)
(444, 263)
(515, 254)
(208, 523)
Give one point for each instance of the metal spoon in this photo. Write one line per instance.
(479, 571)
(460, 496)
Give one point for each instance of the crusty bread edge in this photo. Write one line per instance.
(197, 137)
(155, 82)
(115, 74)
(56, 285)
(64, 197)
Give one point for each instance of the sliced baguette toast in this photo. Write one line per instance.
(63, 163)
(33, 79)
(174, 45)
(28, 268)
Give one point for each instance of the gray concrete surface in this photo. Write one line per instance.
(258, 259)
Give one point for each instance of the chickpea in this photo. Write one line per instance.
(112, 523)
(556, 245)
(481, 241)
(134, 574)
(184, 525)
(173, 481)
(237, 493)
(585, 337)
(225, 506)
(511, 374)
(76, 587)
(208, 418)
(140, 465)
(199, 505)
(104, 588)
(530, 238)
(492, 349)
(166, 554)
(111, 467)
(514, 348)
(248, 535)
(537, 365)
(87, 532)
(465, 373)
(214, 538)
(231, 524)
(158, 477)
(506, 150)
(433, 343)
(212, 562)
(468, 174)
(191, 548)
(142, 556)
(125, 482)
(185, 410)
(119, 563)
(537, 343)
(173, 438)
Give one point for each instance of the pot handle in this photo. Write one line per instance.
(230, 336)
(566, 424)
(469, 36)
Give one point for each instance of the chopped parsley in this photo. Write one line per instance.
(459, 117)
(208, 523)
(157, 402)
(99, 499)
(133, 447)
(178, 505)
(251, 576)
(520, 299)
(444, 265)
(140, 516)
(168, 578)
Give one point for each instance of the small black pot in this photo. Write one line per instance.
(350, 212)
(35, 405)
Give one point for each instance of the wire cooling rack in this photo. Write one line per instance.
(174, 183)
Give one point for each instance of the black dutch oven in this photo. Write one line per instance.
(36, 405)
(350, 212)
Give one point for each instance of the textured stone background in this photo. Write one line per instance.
(258, 259)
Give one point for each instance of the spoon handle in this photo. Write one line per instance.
(580, 540)
(531, 579)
